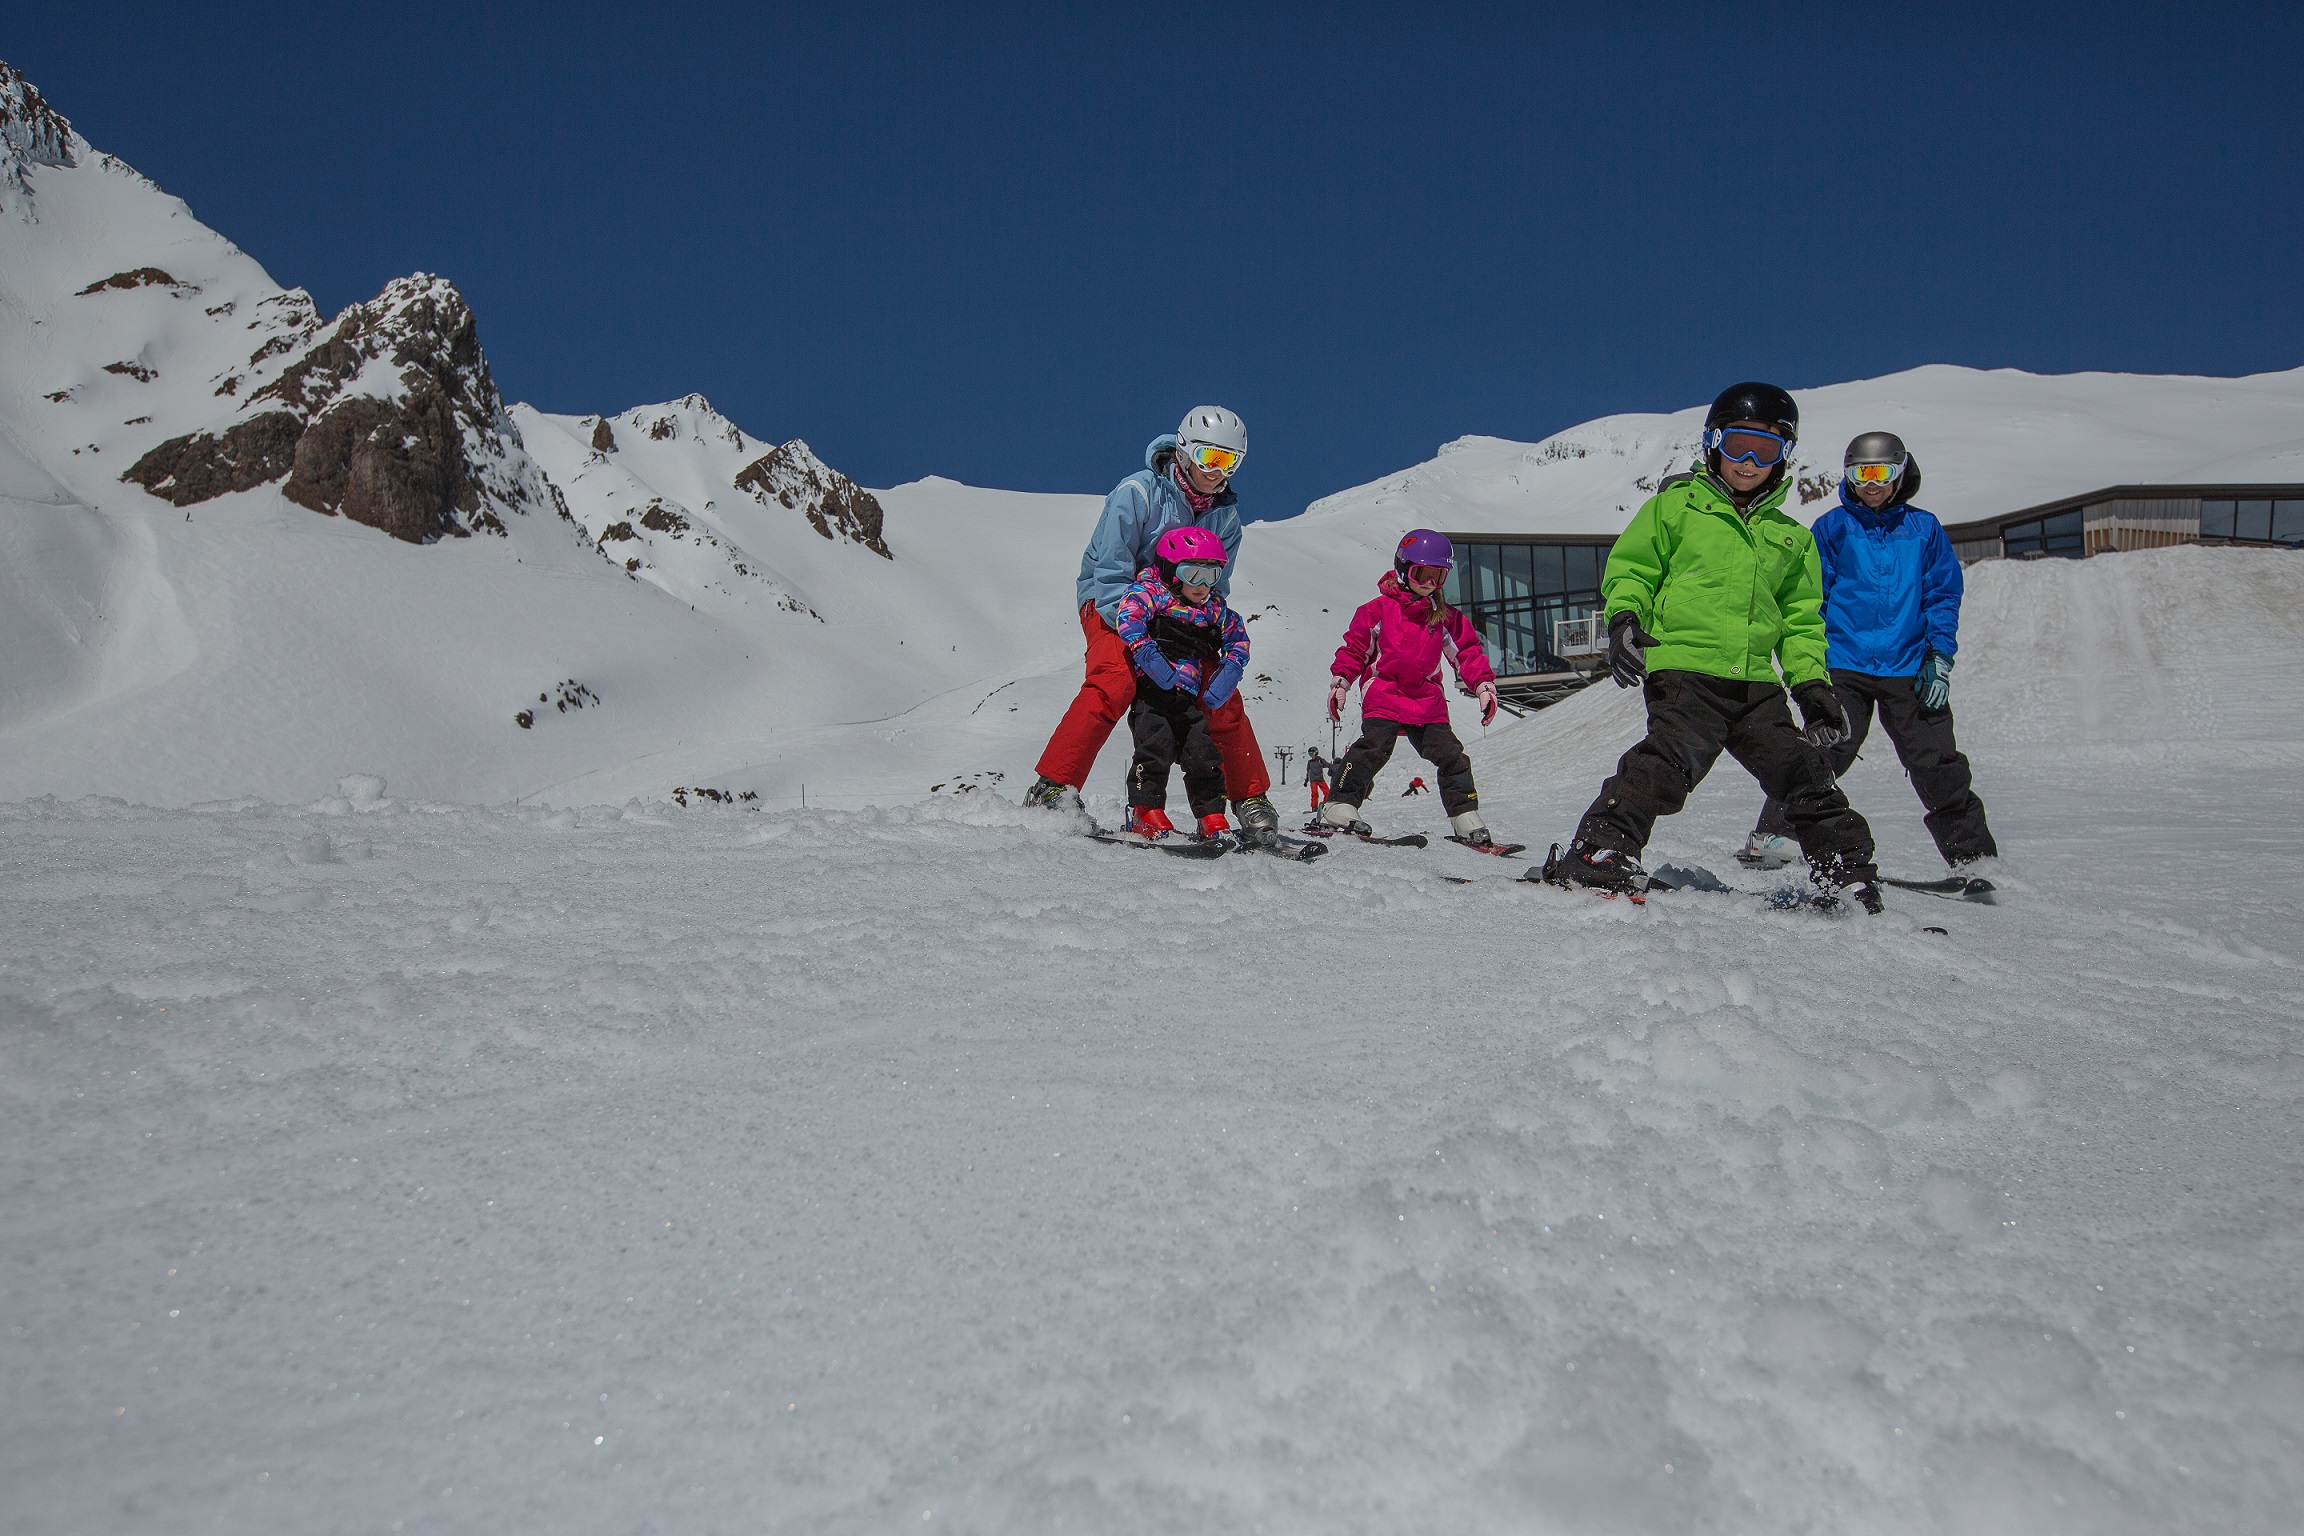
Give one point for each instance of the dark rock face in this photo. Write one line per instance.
(142, 277)
(395, 423)
(202, 466)
(835, 506)
(31, 131)
(386, 463)
(603, 440)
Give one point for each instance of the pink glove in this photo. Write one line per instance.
(1338, 692)
(1486, 694)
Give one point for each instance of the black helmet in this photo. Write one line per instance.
(1874, 448)
(1755, 402)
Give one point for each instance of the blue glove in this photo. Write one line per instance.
(1221, 686)
(1155, 667)
(1934, 684)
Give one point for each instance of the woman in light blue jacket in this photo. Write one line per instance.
(1186, 480)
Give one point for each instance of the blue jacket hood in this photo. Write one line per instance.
(1139, 510)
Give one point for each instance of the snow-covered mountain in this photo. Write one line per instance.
(666, 598)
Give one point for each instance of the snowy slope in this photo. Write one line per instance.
(383, 1163)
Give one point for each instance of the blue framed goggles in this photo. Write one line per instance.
(1747, 445)
(1197, 573)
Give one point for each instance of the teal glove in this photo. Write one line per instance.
(1934, 684)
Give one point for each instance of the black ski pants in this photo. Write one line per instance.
(1435, 743)
(1691, 718)
(1171, 728)
(1931, 759)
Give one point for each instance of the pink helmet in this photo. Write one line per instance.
(1187, 545)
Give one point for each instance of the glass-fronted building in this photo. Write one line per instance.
(2122, 517)
(1516, 587)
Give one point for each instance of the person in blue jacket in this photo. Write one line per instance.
(1891, 629)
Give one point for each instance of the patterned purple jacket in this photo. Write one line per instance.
(1198, 642)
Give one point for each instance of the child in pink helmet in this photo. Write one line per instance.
(1189, 651)
(1394, 647)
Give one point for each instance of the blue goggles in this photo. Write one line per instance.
(1747, 445)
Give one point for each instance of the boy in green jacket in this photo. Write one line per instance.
(1710, 589)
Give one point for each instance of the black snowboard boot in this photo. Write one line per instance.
(1838, 875)
(1596, 868)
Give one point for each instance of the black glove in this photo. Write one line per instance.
(1626, 639)
(1820, 709)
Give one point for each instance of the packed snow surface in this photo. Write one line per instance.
(380, 1165)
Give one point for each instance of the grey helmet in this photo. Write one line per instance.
(1884, 448)
(1215, 426)
(1874, 448)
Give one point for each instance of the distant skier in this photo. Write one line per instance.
(1721, 587)
(1416, 786)
(1892, 624)
(1316, 777)
(1188, 649)
(1185, 482)
(1394, 648)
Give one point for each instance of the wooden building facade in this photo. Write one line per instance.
(2123, 517)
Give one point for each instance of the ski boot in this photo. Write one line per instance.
(1767, 850)
(1838, 875)
(1592, 867)
(1213, 825)
(1471, 831)
(1338, 816)
(1150, 823)
(1048, 795)
(1259, 821)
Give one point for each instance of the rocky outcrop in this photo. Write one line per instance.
(835, 506)
(31, 131)
(204, 466)
(603, 437)
(391, 419)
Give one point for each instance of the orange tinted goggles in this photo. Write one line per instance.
(1875, 474)
(1215, 460)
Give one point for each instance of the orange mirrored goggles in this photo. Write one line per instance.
(1875, 474)
(1215, 460)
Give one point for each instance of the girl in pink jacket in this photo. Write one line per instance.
(1394, 647)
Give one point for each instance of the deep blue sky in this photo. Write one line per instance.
(1008, 245)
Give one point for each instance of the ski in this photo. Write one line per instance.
(1330, 829)
(1501, 850)
(1535, 876)
(1296, 848)
(1194, 848)
(1952, 887)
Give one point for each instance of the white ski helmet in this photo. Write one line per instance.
(1215, 426)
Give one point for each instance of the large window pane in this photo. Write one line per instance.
(1547, 567)
(2288, 521)
(1515, 571)
(2253, 520)
(1452, 590)
(1583, 568)
(1488, 574)
(2216, 519)
(1519, 641)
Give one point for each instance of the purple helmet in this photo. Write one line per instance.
(1422, 546)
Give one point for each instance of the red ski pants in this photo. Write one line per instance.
(1103, 701)
(1319, 794)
